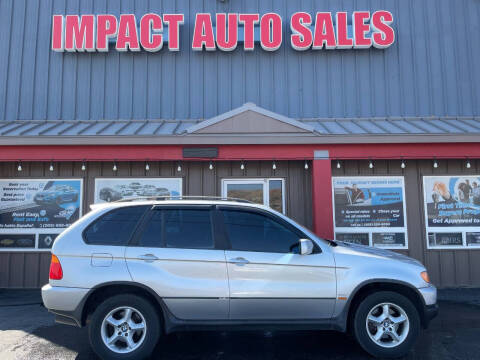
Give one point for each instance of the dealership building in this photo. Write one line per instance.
(358, 119)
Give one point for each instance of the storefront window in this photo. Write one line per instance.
(260, 191)
(276, 194)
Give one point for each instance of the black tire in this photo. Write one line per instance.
(143, 306)
(360, 329)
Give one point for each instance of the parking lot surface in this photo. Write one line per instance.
(28, 331)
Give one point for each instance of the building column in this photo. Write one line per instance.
(322, 194)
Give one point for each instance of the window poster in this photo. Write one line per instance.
(452, 211)
(370, 211)
(108, 190)
(34, 211)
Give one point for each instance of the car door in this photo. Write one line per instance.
(268, 277)
(175, 253)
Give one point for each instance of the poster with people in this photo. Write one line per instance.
(452, 210)
(108, 190)
(370, 210)
(30, 208)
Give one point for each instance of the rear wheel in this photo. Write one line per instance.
(386, 324)
(124, 327)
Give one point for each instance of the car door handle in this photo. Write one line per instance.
(239, 261)
(148, 257)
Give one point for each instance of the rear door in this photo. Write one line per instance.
(268, 277)
(176, 254)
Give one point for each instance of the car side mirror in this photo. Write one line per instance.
(306, 247)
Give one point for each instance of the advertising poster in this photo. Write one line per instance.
(108, 190)
(370, 210)
(30, 208)
(452, 210)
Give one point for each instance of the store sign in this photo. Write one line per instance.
(324, 30)
(370, 211)
(108, 190)
(452, 210)
(34, 212)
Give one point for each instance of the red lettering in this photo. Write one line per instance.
(343, 41)
(203, 33)
(150, 41)
(301, 38)
(249, 21)
(106, 28)
(324, 32)
(271, 32)
(80, 33)
(174, 21)
(383, 33)
(127, 37)
(360, 28)
(223, 43)
(57, 33)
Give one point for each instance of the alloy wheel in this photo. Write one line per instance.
(387, 325)
(123, 330)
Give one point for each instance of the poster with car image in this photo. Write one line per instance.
(109, 190)
(34, 211)
(452, 206)
(39, 204)
(373, 205)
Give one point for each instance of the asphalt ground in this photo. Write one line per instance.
(28, 331)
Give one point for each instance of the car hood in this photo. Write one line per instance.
(368, 251)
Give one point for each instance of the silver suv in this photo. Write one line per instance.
(134, 270)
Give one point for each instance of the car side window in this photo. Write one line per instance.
(152, 233)
(114, 228)
(250, 231)
(179, 228)
(188, 229)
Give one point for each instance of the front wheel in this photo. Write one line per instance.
(124, 327)
(386, 324)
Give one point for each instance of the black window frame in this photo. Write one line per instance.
(100, 218)
(217, 238)
(273, 217)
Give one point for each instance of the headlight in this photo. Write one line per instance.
(425, 276)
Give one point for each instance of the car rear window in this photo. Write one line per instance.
(115, 227)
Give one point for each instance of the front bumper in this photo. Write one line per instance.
(430, 309)
(429, 295)
(64, 302)
(429, 313)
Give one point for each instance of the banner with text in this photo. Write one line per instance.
(370, 211)
(34, 211)
(452, 210)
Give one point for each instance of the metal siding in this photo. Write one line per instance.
(422, 74)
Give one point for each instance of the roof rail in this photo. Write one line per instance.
(183, 197)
